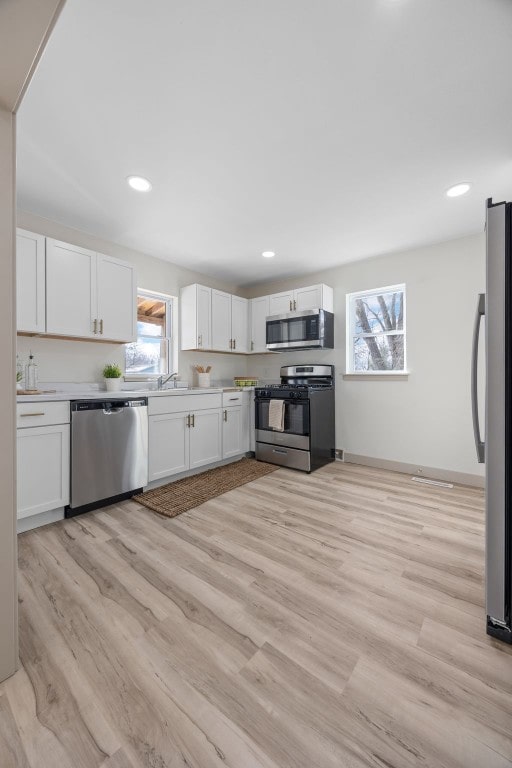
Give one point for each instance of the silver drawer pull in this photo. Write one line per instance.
(234, 398)
(24, 415)
(277, 450)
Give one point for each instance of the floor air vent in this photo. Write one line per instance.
(426, 481)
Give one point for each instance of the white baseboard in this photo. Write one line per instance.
(448, 475)
(42, 518)
(191, 472)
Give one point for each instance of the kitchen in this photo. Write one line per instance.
(343, 548)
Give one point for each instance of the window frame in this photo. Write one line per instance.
(168, 338)
(350, 331)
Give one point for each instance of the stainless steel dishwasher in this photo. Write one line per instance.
(109, 451)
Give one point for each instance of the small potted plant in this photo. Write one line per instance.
(112, 375)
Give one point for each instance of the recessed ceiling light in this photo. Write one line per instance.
(268, 254)
(139, 183)
(458, 189)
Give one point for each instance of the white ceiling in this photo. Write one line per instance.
(325, 131)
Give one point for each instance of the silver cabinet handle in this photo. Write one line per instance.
(278, 450)
(291, 305)
(95, 326)
(225, 415)
(252, 346)
(101, 327)
(234, 398)
(200, 340)
(188, 420)
(24, 415)
(193, 420)
(294, 304)
(480, 445)
(234, 343)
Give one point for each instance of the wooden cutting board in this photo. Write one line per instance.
(36, 391)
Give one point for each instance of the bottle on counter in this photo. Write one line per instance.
(31, 373)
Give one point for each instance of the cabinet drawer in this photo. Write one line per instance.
(40, 413)
(232, 398)
(183, 403)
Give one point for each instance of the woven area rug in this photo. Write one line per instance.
(174, 498)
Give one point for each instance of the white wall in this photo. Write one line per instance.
(426, 419)
(82, 361)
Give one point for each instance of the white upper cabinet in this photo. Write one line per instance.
(213, 320)
(196, 316)
(89, 295)
(259, 310)
(301, 299)
(313, 297)
(240, 324)
(229, 322)
(71, 290)
(280, 303)
(117, 299)
(222, 339)
(30, 282)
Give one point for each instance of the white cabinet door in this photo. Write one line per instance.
(30, 282)
(195, 316)
(43, 469)
(221, 321)
(71, 298)
(314, 297)
(232, 432)
(280, 303)
(205, 437)
(259, 314)
(308, 298)
(240, 323)
(204, 317)
(117, 299)
(168, 445)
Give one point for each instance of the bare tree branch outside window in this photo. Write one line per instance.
(376, 322)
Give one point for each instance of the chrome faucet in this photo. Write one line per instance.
(164, 379)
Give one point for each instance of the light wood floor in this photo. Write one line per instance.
(327, 621)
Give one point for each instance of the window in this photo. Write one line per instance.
(376, 331)
(150, 355)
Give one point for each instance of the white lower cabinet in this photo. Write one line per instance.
(187, 435)
(205, 437)
(248, 422)
(232, 432)
(169, 438)
(43, 469)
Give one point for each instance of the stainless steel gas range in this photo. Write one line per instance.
(305, 437)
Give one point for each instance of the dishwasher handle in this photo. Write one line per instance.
(108, 406)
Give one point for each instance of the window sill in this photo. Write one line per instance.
(377, 375)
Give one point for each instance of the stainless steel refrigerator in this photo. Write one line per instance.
(496, 306)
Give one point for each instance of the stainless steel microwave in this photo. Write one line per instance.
(309, 329)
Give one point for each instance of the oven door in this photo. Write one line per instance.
(296, 424)
(294, 330)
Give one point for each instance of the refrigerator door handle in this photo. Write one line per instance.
(480, 445)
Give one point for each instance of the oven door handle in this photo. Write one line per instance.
(279, 450)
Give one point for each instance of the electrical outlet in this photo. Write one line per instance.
(339, 454)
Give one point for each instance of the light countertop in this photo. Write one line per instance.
(124, 394)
